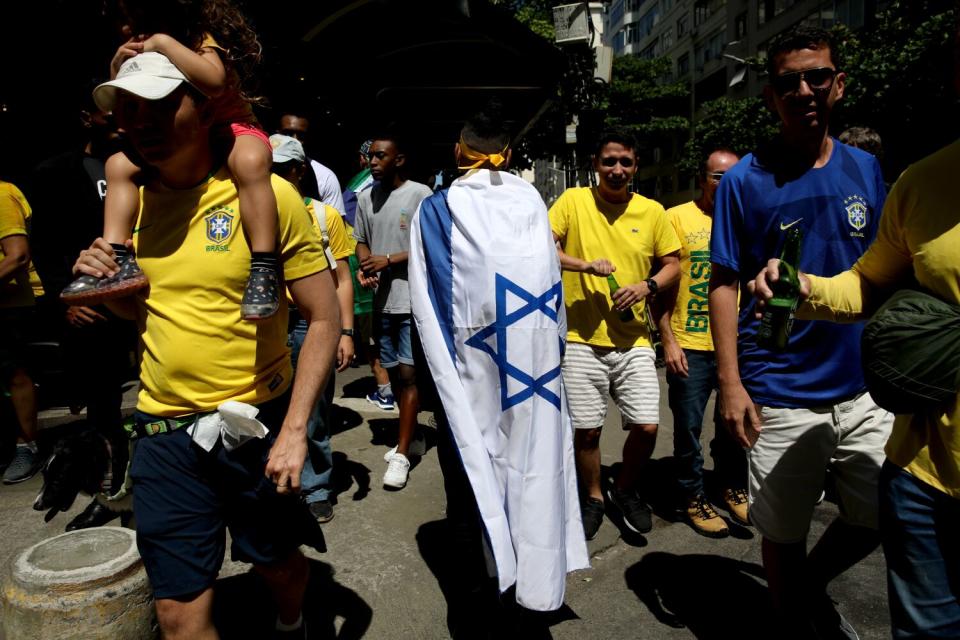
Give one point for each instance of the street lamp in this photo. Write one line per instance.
(740, 75)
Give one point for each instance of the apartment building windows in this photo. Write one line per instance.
(703, 9)
(683, 65)
(648, 21)
(666, 40)
(770, 9)
(740, 26)
(683, 25)
(709, 49)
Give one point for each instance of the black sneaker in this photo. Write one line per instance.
(322, 511)
(89, 290)
(636, 513)
(261, 298)
(591, 511)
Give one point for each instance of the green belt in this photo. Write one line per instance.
(160, 425)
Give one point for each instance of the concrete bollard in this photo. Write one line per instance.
(87, 584)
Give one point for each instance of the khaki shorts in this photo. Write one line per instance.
(789, 461)
(629, 376)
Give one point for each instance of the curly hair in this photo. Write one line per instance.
(189, 21)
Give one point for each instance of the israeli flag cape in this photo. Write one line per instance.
(488, 302)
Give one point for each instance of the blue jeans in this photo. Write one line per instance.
(315, 478)
(688, 400)
(920, 529)
(392, 331)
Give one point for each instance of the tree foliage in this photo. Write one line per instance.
(738, 125)
(644, 100)
(899, 79)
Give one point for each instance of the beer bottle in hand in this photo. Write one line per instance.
(774, 331)
(627, 314)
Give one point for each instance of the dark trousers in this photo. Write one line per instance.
(97, 363)
(688, 400)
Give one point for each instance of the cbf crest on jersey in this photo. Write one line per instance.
(219, 227)
(856, 207)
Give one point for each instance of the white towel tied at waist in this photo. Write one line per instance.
(234, 422)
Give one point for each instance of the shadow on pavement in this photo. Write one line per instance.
(243, 608)
(343, 419)
(346, 472)
(384, 431)
(360, 387)
(712, 596)
(474, 608)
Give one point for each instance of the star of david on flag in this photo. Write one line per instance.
(501, 355)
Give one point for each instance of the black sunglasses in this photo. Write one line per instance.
(819, 79)
(611, 161)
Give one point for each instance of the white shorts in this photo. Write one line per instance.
(629, 376)
(789, 461)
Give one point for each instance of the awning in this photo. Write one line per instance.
(363, 64)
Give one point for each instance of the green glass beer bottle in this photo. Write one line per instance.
(774, 331)
(627, 314)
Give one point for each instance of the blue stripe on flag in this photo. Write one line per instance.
(436, 226)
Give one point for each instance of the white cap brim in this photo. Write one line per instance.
(282, 157)
(146, 87)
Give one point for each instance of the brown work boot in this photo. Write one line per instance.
(737, 505)
(704, 519)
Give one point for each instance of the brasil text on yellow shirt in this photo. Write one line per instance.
(196, 352)
(630, 235)
(690, 320)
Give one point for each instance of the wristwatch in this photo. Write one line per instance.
(652, 286)
(346, 332)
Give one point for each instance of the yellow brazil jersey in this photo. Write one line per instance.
(690, 320)
(196, 352)
(630, 235)
(22, 287)
(919, 235)
(336, 236)
(337, 233)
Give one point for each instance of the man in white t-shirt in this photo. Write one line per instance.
(328, 187)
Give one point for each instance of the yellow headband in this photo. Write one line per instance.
(496, 159)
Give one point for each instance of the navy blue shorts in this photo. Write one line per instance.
(184, 500)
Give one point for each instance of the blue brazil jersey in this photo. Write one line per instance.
(838, 209)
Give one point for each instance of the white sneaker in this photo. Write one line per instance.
(397, 471)
(418, 447)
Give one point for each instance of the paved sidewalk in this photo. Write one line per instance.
(385, 573)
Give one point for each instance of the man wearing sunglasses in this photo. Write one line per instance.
(691, 366)
(805, 410)
(599, 231)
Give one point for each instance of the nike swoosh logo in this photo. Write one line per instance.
(784, 227)
(137, 229)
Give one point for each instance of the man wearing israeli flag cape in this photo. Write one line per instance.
(487, 299)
